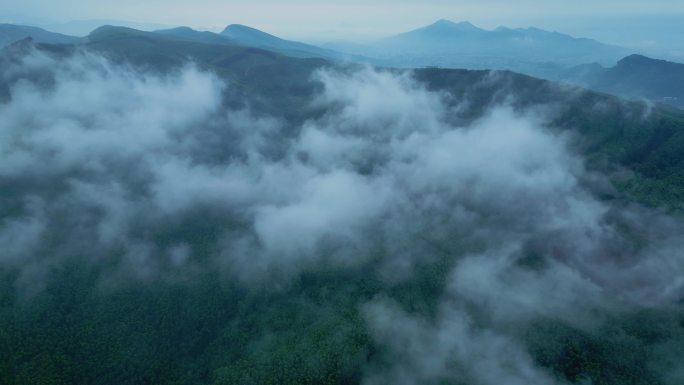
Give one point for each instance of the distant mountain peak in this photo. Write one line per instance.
(106, 29)
(179, 29)
(189, 34)
(106, 32)
(443, 29)
(101, 28)
(444, 24)
(638, 60)
(248, 34)
(241, 28)
(252, 37)
(232, 27)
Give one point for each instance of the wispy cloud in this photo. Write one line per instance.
(150, 177)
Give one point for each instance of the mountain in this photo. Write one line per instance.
(187, 33)
(249, 70)
(441, 34)
(240, 35)
(10, 33)
(281, 85)
(450, 214)
(464, 39)
(175, 46)
(442, 44)
(464, 45)
(233, 35)
(635, 76)
(84, 27)
(251, 37)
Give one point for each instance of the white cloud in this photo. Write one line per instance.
(151, 174)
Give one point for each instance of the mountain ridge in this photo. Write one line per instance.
(635, 76)
(448, 44)
(249, 36)
(10, 33)
(135, 216)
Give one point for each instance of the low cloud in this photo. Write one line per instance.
(450, 348)
(151, 174)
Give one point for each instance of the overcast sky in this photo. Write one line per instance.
(355, 19)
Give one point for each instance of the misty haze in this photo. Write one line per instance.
(471, 193)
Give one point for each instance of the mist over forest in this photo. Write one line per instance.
(175, 212)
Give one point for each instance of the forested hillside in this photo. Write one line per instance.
(181, 212)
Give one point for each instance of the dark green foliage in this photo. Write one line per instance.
(311, 334)
(82, 329)
(77, 332)
(620, 352)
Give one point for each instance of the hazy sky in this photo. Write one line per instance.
(327, 19)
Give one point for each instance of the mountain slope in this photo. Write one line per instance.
(463, 38)
(639, 76)
(251, 37)
(462, 45)
(10, 33)
(635, 76)
(125, 261)
(282, 85)
(190, 34)
(249, 70)
(442, 34)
